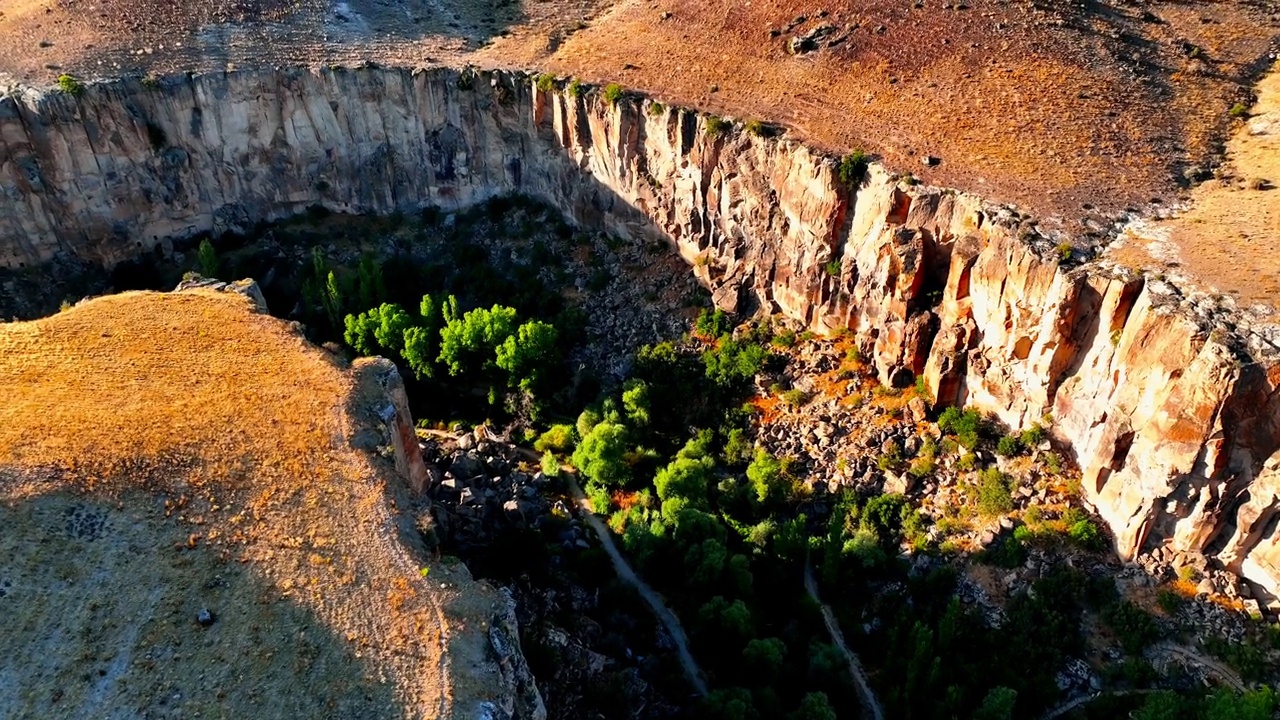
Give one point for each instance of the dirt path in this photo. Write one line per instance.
(1224, 674)
(629, 576)
(870, 706)
(1070, 705)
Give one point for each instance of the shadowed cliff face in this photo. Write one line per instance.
(1169, 405)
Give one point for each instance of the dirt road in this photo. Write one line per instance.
(870, 706)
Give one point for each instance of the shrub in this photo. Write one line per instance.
(757, 128)
(957, 421)
(207, 259)
(795, 397)
(656, 108)
(737, 448)
(599, 498)
(1239, 110)
(967, 462)
(1169, 601)
(1053, 463)
(576, 88)
(70, 85)
(921, 466)
(994, 497)
(557, 438)
(1134, 627)
(852, 168)
(1006, 553)
(1033, 436)
(613, 92)
(550, 466)
(1086, 535)
(786, 339)
(1064, 251)
(713, 324)
(546, 82)
(1009, 446)
(717, 126)
(833, 268)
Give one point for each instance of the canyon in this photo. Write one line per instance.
(1166, 402)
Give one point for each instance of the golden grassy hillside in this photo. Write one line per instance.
(165, 453)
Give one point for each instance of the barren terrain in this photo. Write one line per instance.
(1224, 240)
(163, 454)
(1063, 110)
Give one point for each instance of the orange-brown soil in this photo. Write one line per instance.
(1050, 106)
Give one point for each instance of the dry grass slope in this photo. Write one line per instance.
(1048, 105)
(207, 446)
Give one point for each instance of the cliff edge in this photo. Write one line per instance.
(200, 513)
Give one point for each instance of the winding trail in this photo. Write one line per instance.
(625, 572)
(1070, 705)
(870, 706)
(629, 576)
(1224, 674)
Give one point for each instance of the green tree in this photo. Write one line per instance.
(528, 354)
(730, 704)
(370, 290)
(393, 321)
(600, 455)
(726, 621)
(207, 258)
(1252, 705)
(587, 420)
(737, 447)
(331, 299)
(471, 341)
(419, 351)
(733, 363)
(764, 658)
(422, 342)
(359, 332)
(997, 705)
(1163, 705)
(635, 402)
(765, 474)
(704, 564)
(814, 706)
(688, 475)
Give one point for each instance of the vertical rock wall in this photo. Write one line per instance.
(1169, 408)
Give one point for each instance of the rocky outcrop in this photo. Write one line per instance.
(1169, 406)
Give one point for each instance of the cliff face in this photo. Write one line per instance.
(1174, 423)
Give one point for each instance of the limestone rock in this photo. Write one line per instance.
(1168, 405)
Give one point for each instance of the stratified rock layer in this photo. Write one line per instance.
(1168, 406)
